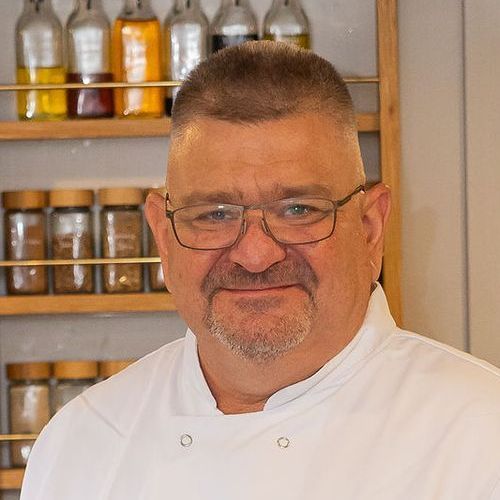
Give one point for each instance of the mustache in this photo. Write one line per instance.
(284, 273)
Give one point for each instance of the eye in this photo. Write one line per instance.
(219, 214)
(299, 210)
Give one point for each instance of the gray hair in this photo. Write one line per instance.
(259, 81)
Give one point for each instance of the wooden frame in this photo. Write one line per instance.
(386, 122)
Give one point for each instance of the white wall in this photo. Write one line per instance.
(482, 48)
(433, 169)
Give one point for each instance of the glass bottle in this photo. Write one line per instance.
(89, 60)
(121, 236)
(137, 58)
(186, 42)
(25, 239)
(39, 55)
(234, 23)
(286, 21)
(29, 409)
(71, 236)
(71, 379)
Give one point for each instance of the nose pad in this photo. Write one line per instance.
(263, 224)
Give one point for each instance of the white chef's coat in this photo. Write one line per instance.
(394, 416)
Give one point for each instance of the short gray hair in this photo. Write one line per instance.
(259, 81)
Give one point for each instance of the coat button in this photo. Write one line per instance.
(186, 440)
(283, 442)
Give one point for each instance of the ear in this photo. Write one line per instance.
(154, 210)
(376, 210)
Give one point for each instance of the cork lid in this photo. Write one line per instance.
(75, 369)
(71, 198)
(24, 199)
(161, 190)
(28, 371)
(110, 368)
(121, 196)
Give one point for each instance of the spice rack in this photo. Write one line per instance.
(385, 123)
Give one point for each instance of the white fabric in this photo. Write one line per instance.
(393, 416)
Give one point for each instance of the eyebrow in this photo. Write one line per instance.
(235, 197)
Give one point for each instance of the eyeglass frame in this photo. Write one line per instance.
(170, 214)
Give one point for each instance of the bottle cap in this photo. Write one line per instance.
(71, 198)
(75, 370)
(29, 371)
(121, 196)
(24, 199)
(110, 368)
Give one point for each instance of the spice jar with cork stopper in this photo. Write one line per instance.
(29, 409)
(25, 239)
(121, 236)
(112, 367)
(155, 271)
(71, 379)
(71, 231)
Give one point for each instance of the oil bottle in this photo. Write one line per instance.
(186, 42)
(234, 23)
(286, 21)
(137, 58)
(39, 55)
(89, 60)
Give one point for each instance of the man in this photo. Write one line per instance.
(293, 381)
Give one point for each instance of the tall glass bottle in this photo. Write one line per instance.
(39, 54)
(137, 58)
(234, 23)
(286, 21)
(89, 53)
(186, 41)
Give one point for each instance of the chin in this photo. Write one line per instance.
(255, 333)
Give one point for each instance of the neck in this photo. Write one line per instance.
(244, 386)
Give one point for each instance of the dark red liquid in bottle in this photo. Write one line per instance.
(90, 103)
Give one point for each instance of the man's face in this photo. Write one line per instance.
(261, 298)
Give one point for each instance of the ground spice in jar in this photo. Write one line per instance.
(25, 239)
(155, 271)
(71, 379)
(72, 238)
(29, 408)
(121, 236)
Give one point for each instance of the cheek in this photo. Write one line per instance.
(186, 269)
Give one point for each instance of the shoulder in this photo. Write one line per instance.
(447, 373)
(90, 432)
(120, 399)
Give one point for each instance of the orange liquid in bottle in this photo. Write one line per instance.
(137, 58)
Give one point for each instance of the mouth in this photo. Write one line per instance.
(260, 290)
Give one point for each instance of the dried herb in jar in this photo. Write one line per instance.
(121, 236)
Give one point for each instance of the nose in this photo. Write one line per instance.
(255, 249)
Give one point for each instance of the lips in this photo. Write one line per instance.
(261, 289)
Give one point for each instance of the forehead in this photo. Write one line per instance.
(254, 162)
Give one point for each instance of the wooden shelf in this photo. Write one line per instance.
(106, 128)
(83, 129)
(11, 479)
(86, 303)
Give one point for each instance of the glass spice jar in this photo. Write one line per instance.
(29, 409)
(72, 237)
(121, 236)
(71, 379)
(155, 271)
(109, 368)
(25, 239)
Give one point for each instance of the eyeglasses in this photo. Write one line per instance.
(292, 221)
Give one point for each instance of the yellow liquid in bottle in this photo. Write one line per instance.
(137, 58)
(41, 104)
(303, 41)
